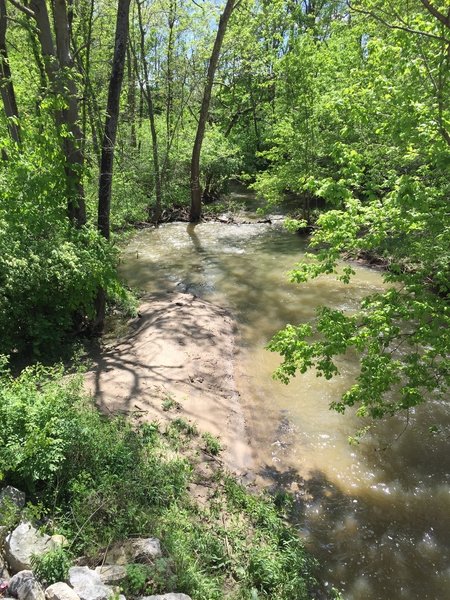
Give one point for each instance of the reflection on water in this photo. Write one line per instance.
(378, 514)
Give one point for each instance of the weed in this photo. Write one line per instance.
(51, 567)
(212, 444)
(169, 403)
(9, 513)
(149, 432)
(137, 579)
(182, 426)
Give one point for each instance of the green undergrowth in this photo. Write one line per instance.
(97, 480)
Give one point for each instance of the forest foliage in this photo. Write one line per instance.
(339, 108)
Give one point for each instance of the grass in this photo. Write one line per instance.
(169, 403)
(99, 480)
(212, 444)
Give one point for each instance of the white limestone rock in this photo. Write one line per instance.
(134, 550)
(146, 549)
(61, 591)
(24, 542)
(111, 574)
(88, 585)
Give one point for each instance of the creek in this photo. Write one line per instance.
(377, 515)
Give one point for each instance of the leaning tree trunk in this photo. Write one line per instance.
(196, 192)
(6, 84)
(109, 140)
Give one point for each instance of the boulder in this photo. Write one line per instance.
(171, 596)
(25, 586)
(61, 591)
(134, 550)
(111, 574)
(24, 542)
(88, 585)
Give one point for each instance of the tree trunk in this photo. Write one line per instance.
(112, 117)
(6, 84)
(131, 97)
(109, 140)
(145, 86)
(84, 69)
(170, 51)
(73, 143)
(55, 61)
(196, 192)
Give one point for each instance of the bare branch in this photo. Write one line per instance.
(23, 23)
(377, 17)
(198, 5)
(23, 8)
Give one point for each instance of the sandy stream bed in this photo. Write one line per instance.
(183, 348)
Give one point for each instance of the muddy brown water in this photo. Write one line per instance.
(377, 515)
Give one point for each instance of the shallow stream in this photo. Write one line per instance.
(377, 515)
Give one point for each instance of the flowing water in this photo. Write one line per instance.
(378, 514)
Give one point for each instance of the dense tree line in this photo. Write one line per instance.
(340, 106)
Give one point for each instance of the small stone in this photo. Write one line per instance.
(117, 554)
(134, 550)
(146, 549)
(60, 540)
(61, 591)
(111, 574)
(25, 586)
(88, 585)
(24, 542)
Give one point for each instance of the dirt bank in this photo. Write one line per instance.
(180, 348)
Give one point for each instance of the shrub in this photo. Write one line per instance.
(51, 567)
(49, 271)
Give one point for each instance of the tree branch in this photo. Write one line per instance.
(23, 8)
(373, 15)
(445, 20)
